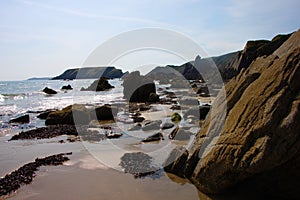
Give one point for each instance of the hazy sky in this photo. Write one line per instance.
(43, 38)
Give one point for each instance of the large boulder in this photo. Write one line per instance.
(139, 88)
(99, 85)
(105, 112)
(259, 142)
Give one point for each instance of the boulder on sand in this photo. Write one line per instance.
(105, 112)
(49, 91)
(22, 119)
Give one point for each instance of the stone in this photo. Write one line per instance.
(167, 125)
(138, 88)
(49, 91)
(101, 84)
(152, 125)
(22, 119)
(154, 137)
(200, 112)
(67, 87)
(153, 98)
(105, 112)
(180, 134)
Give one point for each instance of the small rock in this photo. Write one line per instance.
(180, 134)
(67, 87)
(23, 119)
(49, 91)
(176, 117)
(167, 125)
(152, 125)
(154, 137)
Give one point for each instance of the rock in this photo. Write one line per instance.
(203, 91)
(154, 137)
(167, 125)
(67, 87)
(153, 98)
(138, 164)
(135, 127)
(200, 112)
(138, 119)
(47, 132)
(152, 125)
(189, 101)
(25, 174)
(99, 85)
(180, 134)
(175, 117)
(176, 161)
(105, 112)
(138, 88)
(259, 144)
(49, 91)
(175, 107)
(73, 114)
(45, 114)
(22, 119)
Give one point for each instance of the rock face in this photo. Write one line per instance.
(99, 85)
(259, 142)
(139, 88)
(49, 91)
(90, 73)
(23, 119)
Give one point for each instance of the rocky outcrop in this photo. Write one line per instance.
(90, 73)
(98, 85)
(259, 142)
(139, 88)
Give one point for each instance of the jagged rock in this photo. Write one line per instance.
(67, 87)
(22, 119)
(99, 85)
(49, 91)
(138, 88)
(259, 142)
(105, 112)
(154, 137)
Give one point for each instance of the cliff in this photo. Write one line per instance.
(229, 64)
(90, 73)
(258, 145)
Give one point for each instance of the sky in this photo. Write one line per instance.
(43, 38)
